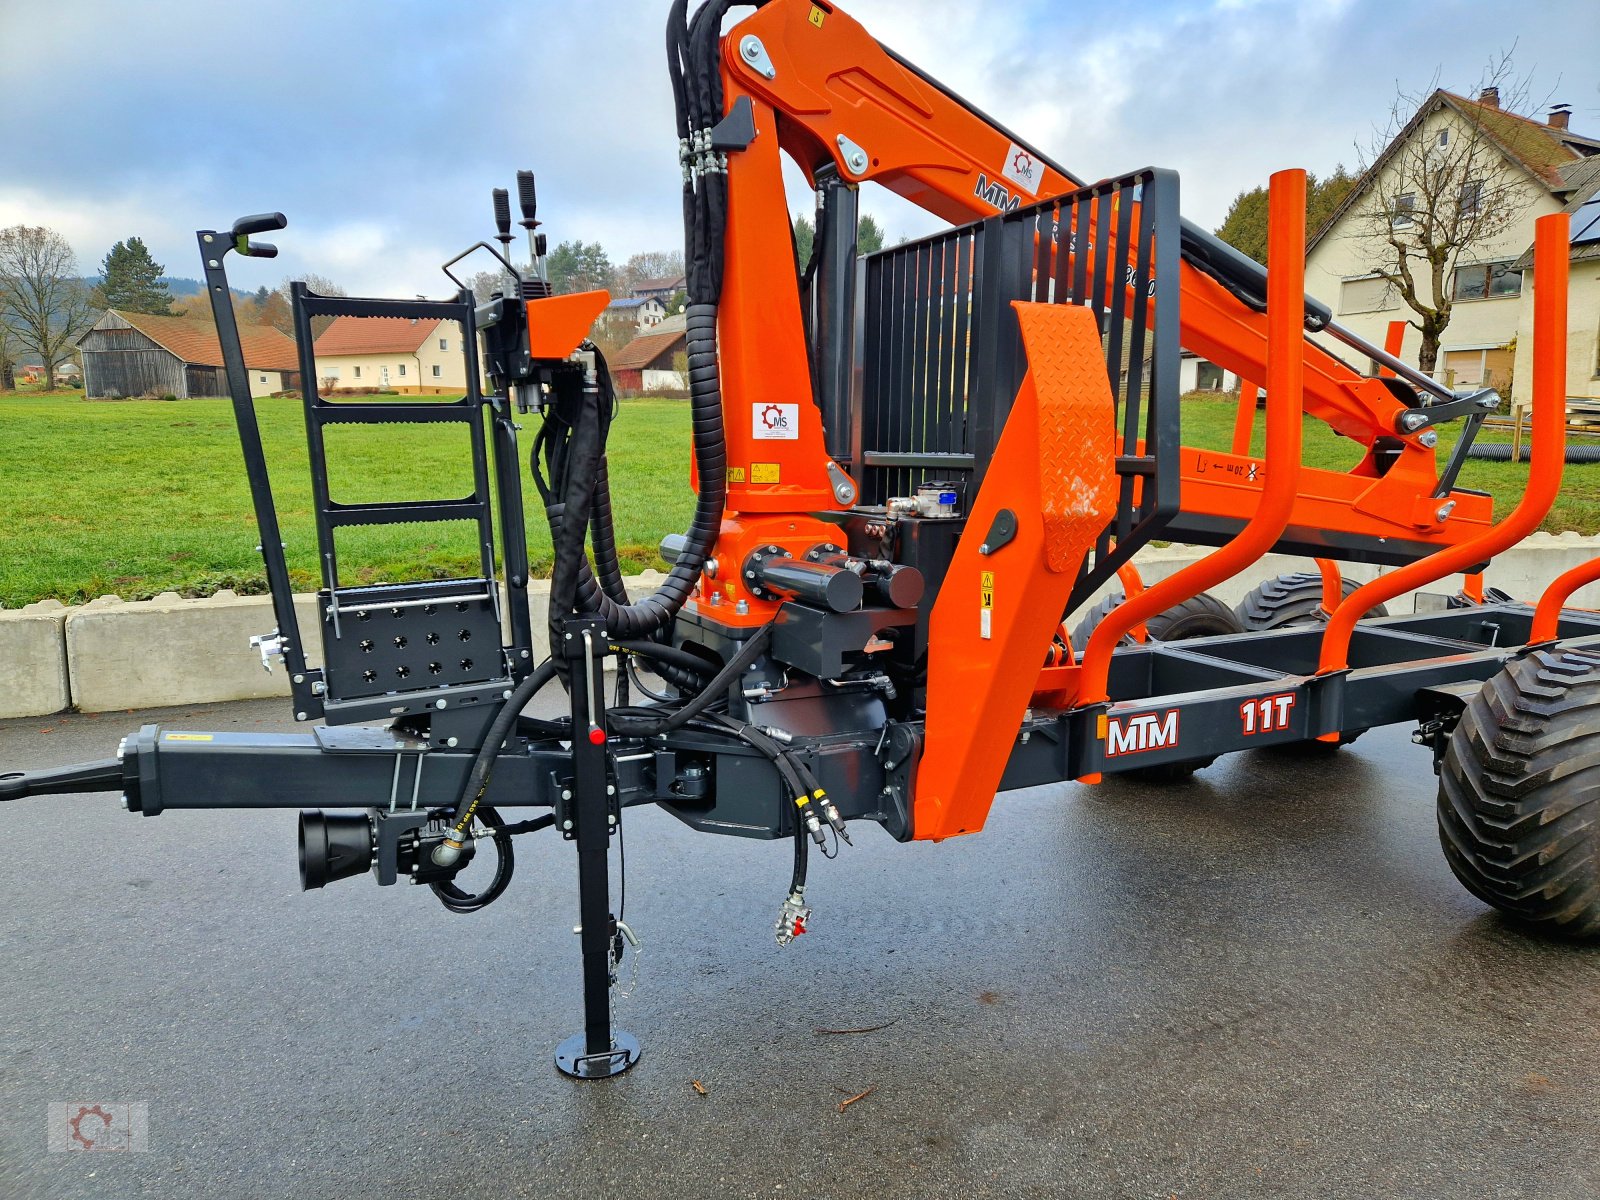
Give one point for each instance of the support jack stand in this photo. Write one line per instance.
(600, 1051)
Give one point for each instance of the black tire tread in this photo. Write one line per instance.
(1519, 792)
(1294, 598)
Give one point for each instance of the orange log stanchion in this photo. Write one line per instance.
(1544, 469)
(1244, 420)
(1132, 584)
(1332, 584)
(1472, 586)
(1548, 614)
(1393, 340)
(1285, 379)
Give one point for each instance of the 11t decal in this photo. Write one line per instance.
(1270, 714)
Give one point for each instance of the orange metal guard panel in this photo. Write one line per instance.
(992, 624)
(556, 324)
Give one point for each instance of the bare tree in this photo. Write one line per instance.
(652, 264)
(42, 299)
(8, 361)
(1441, 185)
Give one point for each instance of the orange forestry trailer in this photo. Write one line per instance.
(912, 467)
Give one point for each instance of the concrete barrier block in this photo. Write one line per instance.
(168, 651)
(33, 660)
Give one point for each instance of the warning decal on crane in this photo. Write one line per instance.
(986, 605)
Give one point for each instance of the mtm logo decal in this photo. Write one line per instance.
(1141, 732)
(775, 422)
(995, 194)
(1266, 715)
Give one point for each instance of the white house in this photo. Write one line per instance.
(392, 354)
(1543, 165)
(643, 312)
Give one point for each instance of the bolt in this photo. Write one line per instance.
(858, 161)
(209, 239)
(611, 818)
(568, 825)
(1429, 439)
(1445, 510)
(752, 49)
(984, 549)
(566, 793)
(450, 741)
(742, 607)
(299, 678)
(127, 805)
(506, 695)
(611, 789)
(524, 654)
(211, 262)
(299, 716)
(441, 703)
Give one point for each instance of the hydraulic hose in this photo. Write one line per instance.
(449, 850)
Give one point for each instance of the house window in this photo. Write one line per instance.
(1371, 293)
(402, 369)
(1487, 281)
(1470, 199)
(358, 372)
(444, 343)
(1444, 138)
(1404, 206)
(436, 371)
(263, 379)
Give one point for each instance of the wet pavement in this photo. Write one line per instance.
(1263, 983)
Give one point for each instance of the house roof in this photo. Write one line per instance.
(667, 283)
(195, 342)
(1583, 203)
(646, 349)
(374, 335)
(1539, 149)
(633, 302)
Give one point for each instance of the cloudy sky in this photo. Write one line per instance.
(379, 128)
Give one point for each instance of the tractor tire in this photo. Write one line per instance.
(1199, 616)
(1519, 793)
(1292, 599)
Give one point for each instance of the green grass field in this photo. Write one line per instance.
(140, 497)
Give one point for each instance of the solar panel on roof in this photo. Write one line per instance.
(1586, 222)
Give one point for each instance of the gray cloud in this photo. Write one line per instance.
(379, 128)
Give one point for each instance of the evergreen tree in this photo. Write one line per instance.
(1245, 226)
(130, 280)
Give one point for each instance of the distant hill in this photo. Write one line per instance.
(179, 286)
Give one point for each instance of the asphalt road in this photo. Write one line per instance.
(1265, 983)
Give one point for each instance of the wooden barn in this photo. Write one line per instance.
(646, 363)
(136, 354)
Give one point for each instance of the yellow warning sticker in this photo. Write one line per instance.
(735, 474)
(986, 605)
(765, 472)
(186, 737)
(987, 587)
(818, 16)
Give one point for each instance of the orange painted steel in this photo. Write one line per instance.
(1285, 368)
(1472, 586)
(1550, 270)
(557, 324)
(1244, 420)
(992, 625)
(1332, 584)
(1547, 615)
(1132, 584)
(1394, 339)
